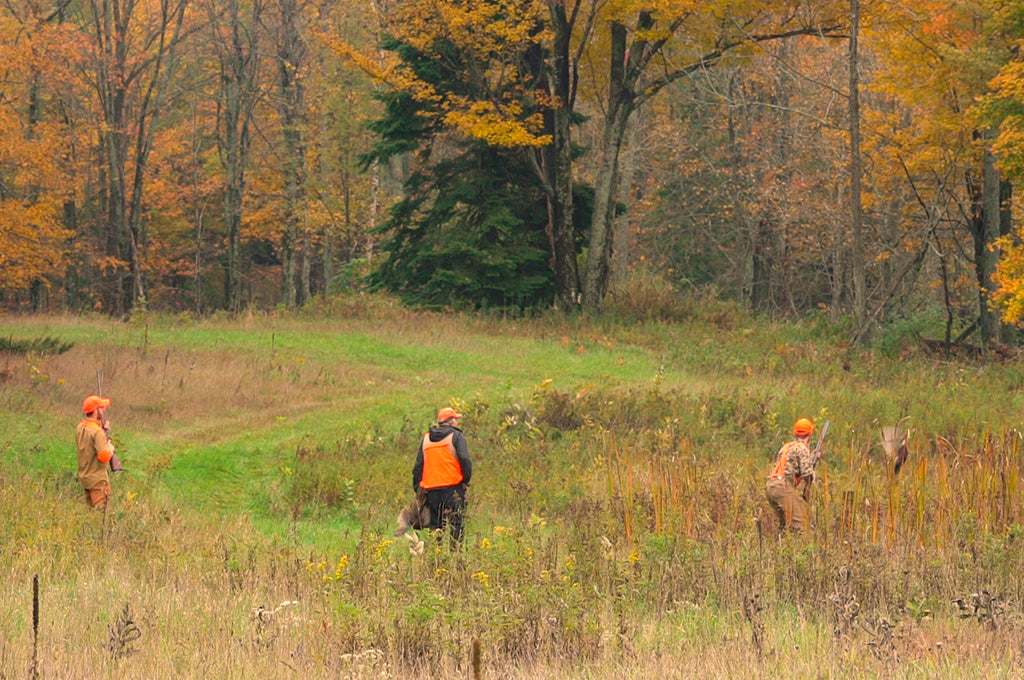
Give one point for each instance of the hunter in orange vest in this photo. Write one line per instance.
(95, 451)
(793, 467)
(443, 469)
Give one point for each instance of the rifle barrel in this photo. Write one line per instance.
(820, 448)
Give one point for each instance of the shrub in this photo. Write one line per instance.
(44, 346)
(316, 481)
(646, 295)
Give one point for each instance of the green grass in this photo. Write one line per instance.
(617, 521)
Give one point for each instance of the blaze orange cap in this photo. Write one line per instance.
(446, 413)
(93, 402)
(803, 427)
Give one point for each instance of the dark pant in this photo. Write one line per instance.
(447, 505)
(789, 505)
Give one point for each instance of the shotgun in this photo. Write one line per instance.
(820, 448)
(115, 462)
(816, 454)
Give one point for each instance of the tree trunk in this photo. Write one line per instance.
(239, 62)
(561, 205)
(234, 182)
(72, 280)
(857, 262)
(305, 271)
(289, 290)
(116, 226)
(763, 256)
(556, 164)
(624, 194)
(331, 227)
(1006, 332)
(144, 144)
(838, 283)
(38, 288)
(747, 271)
(112, 95)
(291, 55)
(595, 278)
(130, 84)
(1005, 207)
(595, 281)
(986, 256)
(769, 238)
(374, 209)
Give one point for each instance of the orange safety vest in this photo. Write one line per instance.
(779, 471)
(90, 424)
(440, 466)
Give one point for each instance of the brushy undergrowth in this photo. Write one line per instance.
(617, 525)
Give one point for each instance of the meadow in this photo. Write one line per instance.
(617, 525)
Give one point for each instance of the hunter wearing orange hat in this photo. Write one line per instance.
(443, 469)
(794, 466)
(95, 450)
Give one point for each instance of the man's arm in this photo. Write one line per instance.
(462, 455)
(104, 446)
(417, 470)
(115, 462)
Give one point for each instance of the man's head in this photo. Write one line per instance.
(803, 428)
(94, 404)
(448, 416)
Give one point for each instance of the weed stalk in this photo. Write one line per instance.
(33, 672)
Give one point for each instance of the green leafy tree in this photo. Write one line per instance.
(472, 227)
(521, 62)
(465, 235)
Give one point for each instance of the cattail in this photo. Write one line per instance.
(477, 670)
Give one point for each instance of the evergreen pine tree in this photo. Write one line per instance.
(471, 228)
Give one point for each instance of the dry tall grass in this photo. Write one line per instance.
(615, 530)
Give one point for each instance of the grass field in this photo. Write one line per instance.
(617, 525)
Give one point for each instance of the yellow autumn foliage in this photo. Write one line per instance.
(491, 38)
(486, 124)
(32, 240)
(35, 153)
(1009, 277)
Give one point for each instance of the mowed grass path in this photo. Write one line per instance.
(211, 412)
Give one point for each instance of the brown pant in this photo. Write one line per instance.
(98, 496)
(789, 506)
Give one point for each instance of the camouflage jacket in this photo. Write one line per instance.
(795, 463)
